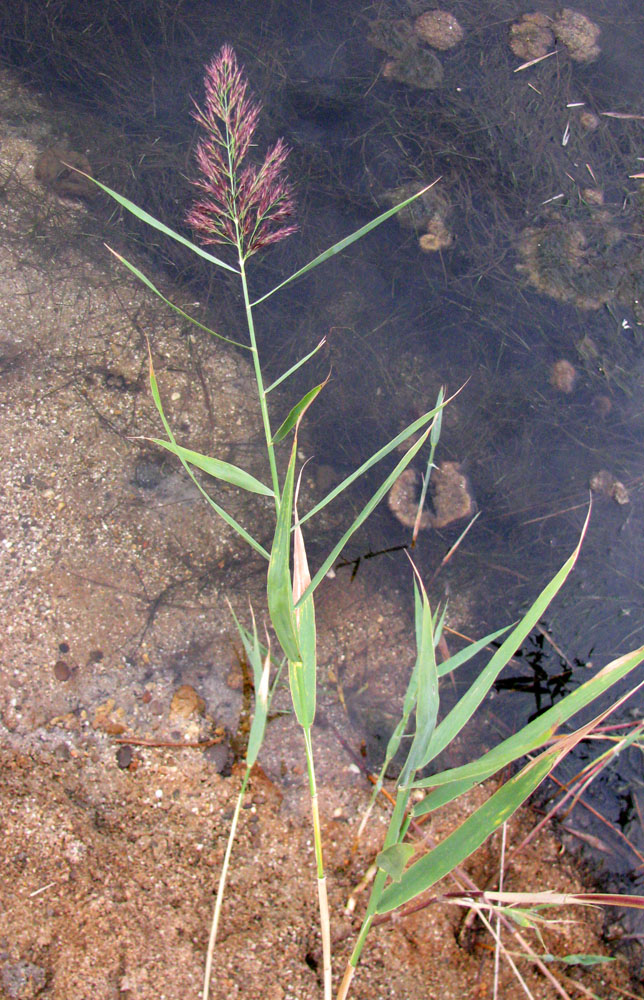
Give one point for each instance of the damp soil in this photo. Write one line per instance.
(107, 881)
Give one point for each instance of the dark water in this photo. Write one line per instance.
(399, 322)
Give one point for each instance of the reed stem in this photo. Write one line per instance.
(221, 887)
(325, 925)
(260, 386)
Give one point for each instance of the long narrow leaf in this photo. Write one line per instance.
(434, 438)
(286, 618)
(144, 216)
(294, 368)
(223, 514)
(393, 745)
(303, 676)
(260, 715)
(439, 623)
(219, 470)
(261, 675)
(468, 652)
(278, 584)
(146, 281)
(264, 649)
(448, 793)
(297, 412)
(450, 783)
(375, 458)
(346, 242)
(364, 514)
(462, 712)
(469, 836)
(427, 691)
(250, 642)
(409, 701)
(487, 818)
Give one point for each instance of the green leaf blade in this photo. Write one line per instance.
(363, 515)
(223, 514)
(587, 961)
(345, 242)
(253, 652)
(296, 413)
(153, 288)
(427, 699)
(468, 652)
(457, 718)
(278, 585)
(218, 469)
(417, 425)
(149, 220)
(294, 368)
(468, 836)
(531, 737)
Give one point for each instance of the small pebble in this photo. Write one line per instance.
(61, 670)
(563, 376)
(186, 703)
(124, 756)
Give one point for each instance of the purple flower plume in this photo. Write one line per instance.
(240, 203)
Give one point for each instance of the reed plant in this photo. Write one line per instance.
(247, 207)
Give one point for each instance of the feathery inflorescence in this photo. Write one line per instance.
(245, 205)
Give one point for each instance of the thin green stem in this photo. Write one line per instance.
(221, 887)
(239, 242)
(325, 926)
(393, 836)
(260, 385)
